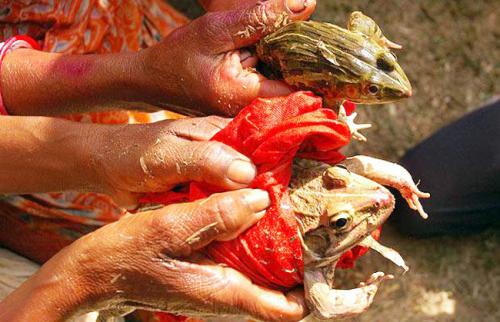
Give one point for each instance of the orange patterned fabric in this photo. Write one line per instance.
(82, 27)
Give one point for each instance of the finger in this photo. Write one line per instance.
(221, 290)
(191, 226)
(229, 30)
(273, 88)
(214, 163)
(247, 59)
(257, 301)
(223, 5)
(125, 199)
(176, 160)
(245, 84)
(199, 128)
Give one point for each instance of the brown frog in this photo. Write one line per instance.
(338, 207)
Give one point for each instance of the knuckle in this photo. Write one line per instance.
(213, 29)
(207, 162)
(214, 119)
(226, 210)
(209, 124)
(264, 16)
(210, 154)
(169, 232)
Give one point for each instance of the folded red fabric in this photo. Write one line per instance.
(272, 132)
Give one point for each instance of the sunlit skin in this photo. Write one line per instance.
(174, 72)
(200, 66)
(110, 267)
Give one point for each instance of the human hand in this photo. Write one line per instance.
(203, 64)
(223, 5)
(134, 159)
(149, 260)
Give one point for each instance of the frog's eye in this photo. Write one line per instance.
(373, 89)
(341, 221)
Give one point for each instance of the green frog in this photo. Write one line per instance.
(338, 207)
(356, 63)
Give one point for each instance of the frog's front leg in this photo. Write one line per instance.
(354, 128)
(327, 303)
(388, 174)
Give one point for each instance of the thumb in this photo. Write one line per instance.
(229, 30)
(223, 216)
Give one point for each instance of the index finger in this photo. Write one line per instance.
(230, 30)
(217, 289)
(185, 228)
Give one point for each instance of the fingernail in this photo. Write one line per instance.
(131, 207)
(258, 216)
(241, 171)
(258, 200)
(296, 6)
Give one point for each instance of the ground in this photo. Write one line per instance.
(451, 55)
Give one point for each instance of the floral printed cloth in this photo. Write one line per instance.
(82, 27)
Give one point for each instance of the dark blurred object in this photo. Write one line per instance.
(460, 166)
(190, 8)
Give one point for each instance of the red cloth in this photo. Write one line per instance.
(271, 132)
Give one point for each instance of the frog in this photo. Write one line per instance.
(337, 208)
(356, 64)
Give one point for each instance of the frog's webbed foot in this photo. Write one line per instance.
(389, 174)
(327, 303)
(353, 127)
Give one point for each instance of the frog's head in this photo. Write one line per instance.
(378, 77)
(355, 63)
(375, 77)
(337, 210)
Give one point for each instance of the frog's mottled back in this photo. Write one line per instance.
(336, 63)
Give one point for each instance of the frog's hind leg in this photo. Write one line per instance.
(389, 174)
(327, 303)
(358, 22)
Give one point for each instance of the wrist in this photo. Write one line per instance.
(40, 83)
(56, 293)
(168, 76)
(41, 154)
(87, 144)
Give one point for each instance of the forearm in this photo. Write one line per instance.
(39, 83)
(55, 293)
(39, 154)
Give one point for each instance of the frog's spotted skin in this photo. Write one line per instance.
(354, 64)
(338, 208)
